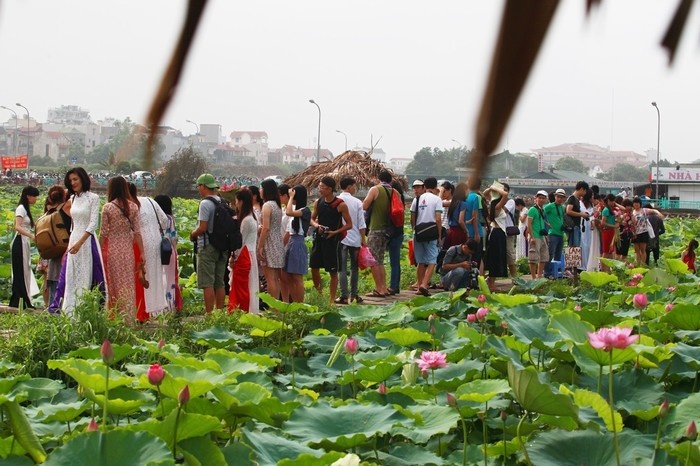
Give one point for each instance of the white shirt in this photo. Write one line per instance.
(510, 205)
(430, 204)
(357, 215)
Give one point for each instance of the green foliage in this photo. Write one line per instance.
(180, 172)
(572, 164)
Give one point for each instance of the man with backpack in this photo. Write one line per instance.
(211, 262)
(378, 203)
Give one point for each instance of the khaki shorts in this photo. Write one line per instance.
(510, 249)
(539, 251)
(211, 267)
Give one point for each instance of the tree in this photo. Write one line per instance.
(127, 144)
(181, 171)
(572, 164)
(625, 172)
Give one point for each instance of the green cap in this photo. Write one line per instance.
(208, 180)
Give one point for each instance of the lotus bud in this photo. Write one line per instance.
(451, 400)
(577, 308)
(382, 388)
(481, 298)
(323, 321)
(640, 300)
(107, 352)
(669, 307)
(692, 431)
(92, 426)
(351, 346)
(671, 289)
(504, 324)
(156, 374)
(425, 373)
(161, 344)
(431, 317)
(184, 396)
(664, 409)
(503, 415)
(481, 313)
(471, 318)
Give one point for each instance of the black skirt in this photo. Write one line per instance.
(495, 261)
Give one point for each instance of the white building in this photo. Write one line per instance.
(255, 142)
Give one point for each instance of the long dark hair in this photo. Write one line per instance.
(133, 193)
(84, 180)
(300, 199)
(459, 195)
(24, 201)
(492, 209)
(270, 192)
(118, 189)
(255, 191)
(246, 198)
(165, 203)
(397, 186)
(56, 196)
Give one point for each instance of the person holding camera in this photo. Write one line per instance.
(554, 212)
(457, 270)
(537, 233)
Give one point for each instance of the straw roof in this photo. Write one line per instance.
(359, 165)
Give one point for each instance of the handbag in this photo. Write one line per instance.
(166, 247)
(512, 231)
(426, 231)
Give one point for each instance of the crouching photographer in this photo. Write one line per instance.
(457, 268)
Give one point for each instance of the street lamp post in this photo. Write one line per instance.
(658, 152)
(16, 131)
(346, 138)
(318, 139)
(195, 125)
(26, 110)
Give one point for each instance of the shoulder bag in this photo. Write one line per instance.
(166, 247)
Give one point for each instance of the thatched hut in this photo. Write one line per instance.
(359, 165)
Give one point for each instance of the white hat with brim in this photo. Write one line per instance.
(542, 192)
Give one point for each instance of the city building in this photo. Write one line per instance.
(595, 158)
(255, 142)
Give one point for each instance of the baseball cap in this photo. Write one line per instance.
(560, 192)
(208, 180)
(418, 183)
(542, 192)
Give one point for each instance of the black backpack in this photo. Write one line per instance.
(226, 233)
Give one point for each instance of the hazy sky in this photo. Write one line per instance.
(411, 72)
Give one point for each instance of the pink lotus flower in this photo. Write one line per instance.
(481, 298)
(432, 360)
(692, 431)
(156, 374)
(92, 426)
(669, 307)
(351, 346)
(481, 313)
(640, 300)
(637, 276)
(609, 338)
(504, 324)
(107, 352)
(184, 396)
(471, 318)
(577, 308)
(631, 283)
(671, 289)
(382, 388)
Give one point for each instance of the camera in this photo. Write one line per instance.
(544, 232)
(473, 277)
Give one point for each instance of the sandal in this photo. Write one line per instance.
(376, 294)
(392, 291)
(413, 287)
(423, 291)
(357, 299)
(341, 300)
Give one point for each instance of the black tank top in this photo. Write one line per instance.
(328, 214)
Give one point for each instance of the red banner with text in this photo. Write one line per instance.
(14, 161)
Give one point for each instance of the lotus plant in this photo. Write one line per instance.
(107, 353)
(156, 374)
(607, 339)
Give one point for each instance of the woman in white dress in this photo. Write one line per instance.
(243, 264)
(171, 278)
(521, 242)
(152, 219)
(83, 268)
(593, 261)
(24, 284)
(586, 205)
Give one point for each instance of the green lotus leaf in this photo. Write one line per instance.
(585, 398)
(676, 266)
(6, 365)
(613, 263)
(307, 459)
(6, 384)
(58, 412)
(378, 372)
(528, 285)
(686, 452)
(346, 426)
(508, 300)
(271, 411)
(283, 307)
(13, 454)
(271, 447)
(427, 421)
(122, 400)
(683, 316)
(562, 448)
(602, 358)
(436, 304)
(199, 382)
(34, 389)
(396, 314)
(189, 425)
(537, 397)
(507, 346)
(598, 279)
(241, 394)
(530, 326)
(232, 364)
(152, 346)
(570, 326)
(687, 410)
(405, 336)
(216, 337)
(239, 454)
(262, 326)
(366, 313)
(115, 448)
(201, 451)
(407, 455)
(90, 374)
(659, 277)
(688, 354)
(93, 352)
(482, 390)
(646, 414)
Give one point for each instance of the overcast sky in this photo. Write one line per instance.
(411, 72)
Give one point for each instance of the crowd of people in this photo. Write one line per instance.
(458, 232)
(124, 262)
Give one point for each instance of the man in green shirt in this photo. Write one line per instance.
(537, 232)
(554, 212)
